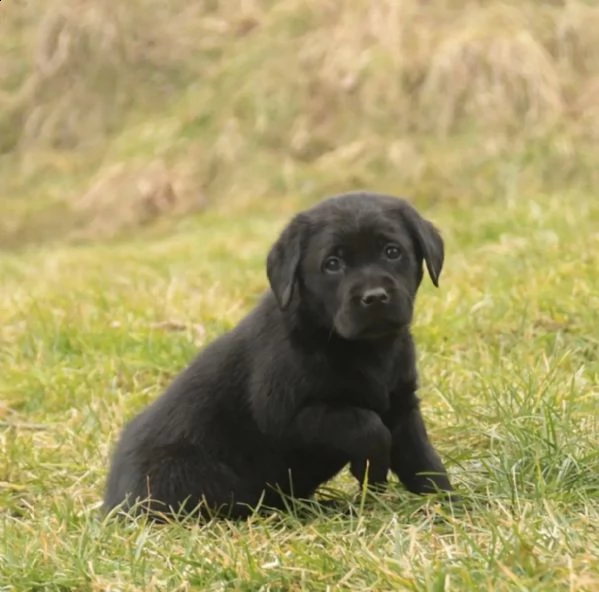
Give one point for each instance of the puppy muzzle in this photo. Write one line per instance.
(373, 312)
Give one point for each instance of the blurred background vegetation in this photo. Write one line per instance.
(116, 114)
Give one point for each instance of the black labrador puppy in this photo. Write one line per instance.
(319, 375)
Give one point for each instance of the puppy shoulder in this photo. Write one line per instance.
(405, 361)
(277, 366)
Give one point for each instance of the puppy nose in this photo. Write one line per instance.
(374, 296)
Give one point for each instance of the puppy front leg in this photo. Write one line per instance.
(357, 434)
(413, 458)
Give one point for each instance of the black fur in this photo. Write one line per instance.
(319, 375)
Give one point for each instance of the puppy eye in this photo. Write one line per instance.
(392, 252)
(332, 265)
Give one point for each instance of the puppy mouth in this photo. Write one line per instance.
(371, 331)
(380, 332)
(353, 321)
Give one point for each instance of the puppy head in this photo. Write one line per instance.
(354, 263)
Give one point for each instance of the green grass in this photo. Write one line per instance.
(487, 113)
(509, 359)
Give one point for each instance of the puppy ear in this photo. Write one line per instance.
(283, 260)
(428, 240)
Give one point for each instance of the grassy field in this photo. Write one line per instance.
(149, 154)
(111, 118)
(509, 360)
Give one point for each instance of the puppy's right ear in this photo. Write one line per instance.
(283, 260)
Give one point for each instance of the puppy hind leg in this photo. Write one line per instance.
(184, 487)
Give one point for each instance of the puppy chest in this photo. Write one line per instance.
(356, 389)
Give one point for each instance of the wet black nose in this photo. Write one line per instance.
(374, 296)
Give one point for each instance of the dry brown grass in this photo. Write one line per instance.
(303, 96)
(128, 195)
(87, 62)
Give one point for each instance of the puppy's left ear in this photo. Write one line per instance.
(428, 240)
(283, 261)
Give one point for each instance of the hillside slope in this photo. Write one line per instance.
(114, 116)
